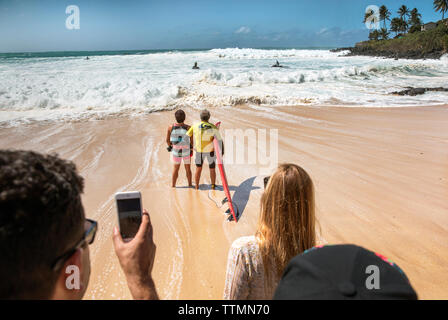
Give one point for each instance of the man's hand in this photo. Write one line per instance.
(137, 259)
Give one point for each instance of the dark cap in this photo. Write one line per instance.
(343, 272)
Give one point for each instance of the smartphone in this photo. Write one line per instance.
(129, 209)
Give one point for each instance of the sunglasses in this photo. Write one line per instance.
(90, 227)
(266, 180)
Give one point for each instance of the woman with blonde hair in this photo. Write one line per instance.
(285, 229)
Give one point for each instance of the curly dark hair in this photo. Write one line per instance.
(41, 216)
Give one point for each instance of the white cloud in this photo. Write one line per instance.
(322, 31)
(243, 29)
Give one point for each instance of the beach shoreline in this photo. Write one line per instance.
(380, 174)
(62, 87)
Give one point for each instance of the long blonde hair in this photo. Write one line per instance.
(286, 225)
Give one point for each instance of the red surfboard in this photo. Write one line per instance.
(222, 172)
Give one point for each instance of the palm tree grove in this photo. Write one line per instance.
(402, 33)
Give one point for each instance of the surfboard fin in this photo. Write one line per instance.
(224, 200)
(230, 217)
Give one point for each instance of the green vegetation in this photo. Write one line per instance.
(409, 39)
(416, 43)
(442, 6)
(384, 15)
(407, 21)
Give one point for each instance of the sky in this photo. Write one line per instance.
(40, 25)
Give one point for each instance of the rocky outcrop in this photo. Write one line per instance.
(418, 91)
(412, 54)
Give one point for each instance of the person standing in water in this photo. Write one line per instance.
(195, 66)
(181, 145)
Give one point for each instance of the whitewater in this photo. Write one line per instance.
(66, 86)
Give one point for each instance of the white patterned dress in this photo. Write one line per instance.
(245, 272)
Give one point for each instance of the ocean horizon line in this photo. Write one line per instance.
(60, 53)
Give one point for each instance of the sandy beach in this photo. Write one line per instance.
(380, 175)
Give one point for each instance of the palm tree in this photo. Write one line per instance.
(415, 21)
(384, 14)
(395, 25)
(442, 6)
(384, 34)
(367, 15)
(415, 17)
(374, 35)
(403, 12)
(403, 26)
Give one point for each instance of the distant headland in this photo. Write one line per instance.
(413, 39)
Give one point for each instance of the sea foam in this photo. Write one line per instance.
(61, 88)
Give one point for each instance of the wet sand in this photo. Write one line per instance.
(380, 174)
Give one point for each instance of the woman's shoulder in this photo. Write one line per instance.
(245, 243)
(247, 249)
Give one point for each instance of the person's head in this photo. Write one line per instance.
(41, 221)
(286, 224)
(180, 116)
(343, 272)
(205, 115)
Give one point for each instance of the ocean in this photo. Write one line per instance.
(55, 86)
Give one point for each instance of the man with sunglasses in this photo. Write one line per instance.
(44, 235)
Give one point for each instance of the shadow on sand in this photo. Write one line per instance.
(239, 198)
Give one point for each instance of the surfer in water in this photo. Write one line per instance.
(277, 65)
(204, 133)
(180, 144)
(195, 66)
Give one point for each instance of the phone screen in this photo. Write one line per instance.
(130, 217)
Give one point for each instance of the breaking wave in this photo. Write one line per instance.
(39, 88)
